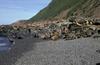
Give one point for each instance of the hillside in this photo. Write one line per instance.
(65, 8)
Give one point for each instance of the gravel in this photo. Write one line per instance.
(61, 52)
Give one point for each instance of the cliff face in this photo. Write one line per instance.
(90, 8)
(65, 8)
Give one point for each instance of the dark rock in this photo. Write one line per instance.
(97, 63)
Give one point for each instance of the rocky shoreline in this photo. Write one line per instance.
(72, 28)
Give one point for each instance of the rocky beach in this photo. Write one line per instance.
(32, 51)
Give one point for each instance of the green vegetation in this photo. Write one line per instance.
(57, 6)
